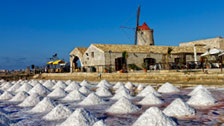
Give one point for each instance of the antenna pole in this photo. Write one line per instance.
(138, 15)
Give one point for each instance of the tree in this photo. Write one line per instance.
(124, 57)
(168, 55)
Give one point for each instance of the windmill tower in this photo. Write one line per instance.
(145, 35)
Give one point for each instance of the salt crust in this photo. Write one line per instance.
(150, 99)
(117, 85)
(129, 85)
(148, 90)
(48, 84)
(6, 96)
(92, 99)
(123, 106)
(30, 101)
(60, 84)
(80, 117)
(154, 117)
(72, 86)
(14, 87)
(103, 92)
(57, 93)
(84, 90)
(178, 108)
(25, 87)
(45, 105)
(99, 123)
(39, 89)
(75, 95)
(202, 98)
(19, 97)
(168, 88)
(58, 113)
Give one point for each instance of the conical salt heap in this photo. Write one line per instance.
(150, 99)
(74, 96)
(123, 106)
(72, 86)
(199, 87)
(178, 108)
(99, 123)
(140, 87)
(129, 85)
(30, 101)
(122, 88)
(14, 87)
(80, 117)
(6, 96)
(85, 83)
(6, 86)
(201, 98)
(25, 87)
(148, 90)
(122, 93)
(92, 99)
(39, 89)
(154, 117)
(103, 92)
(68, 82)
(168, 88)
(117, 85)
(60, 84)
(45, 105)
(58, 113)
(84, 90)
(4, 121)
(19, 97)
(48, 84)
(104, 83)
(57, 93)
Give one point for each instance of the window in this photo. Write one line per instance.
(92, 54)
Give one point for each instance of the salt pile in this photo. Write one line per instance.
(99, 123)
(123, 106)
(129, 85)
(72, 86)
(34, 82)
(58, 113)
(14, 87)
(150, 99)
(84, 90)
(168, 88)
(6, 96)
(178, 108)
(68, 82)
(104, 83)
(85, 83)
(74, 96)
(57, 93)
(117, 85)
(6, 86)
(45, 105)
(202, 98)
(39, 89)
(103, 92)
(48, 84)
(122, 88)
(30, 101)
(60, 84)
(25, 87)
(154, 117)
(199, 87)
(148, 90)
(140, 87)
(19, 96)
(92, 99)
(4, 121)
(80, 117)
(122, 93)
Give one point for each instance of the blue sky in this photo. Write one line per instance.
(33, 30)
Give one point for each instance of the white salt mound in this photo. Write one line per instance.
(6, 96)
(6, 86)
(25, 87)
(129, 85)
(74, 96)
(60, 84)
(15, 87)
(150, 99)
(30, 101)
(68, 82)
(178, 108)
(48, 84)
(4, 121)
(199, 87)
(80, 117)
(19, 97)
(117, 85)
(104, 83)
(72, 86)
(122, 88)
(92, 99)
(39, 89)
(58, 113)
(154, 117)
(45, 105)
(148, 90)
(123, 106)
(57, 93)
(103, 92)
(122, 93)
(84, 90)
(140, 87)
(99, 123)
(202, 98)
(168, 88)
(85, 83)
